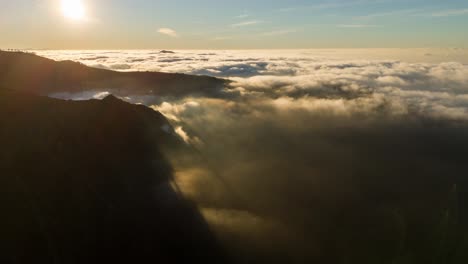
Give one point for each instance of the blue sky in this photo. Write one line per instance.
(210, 24)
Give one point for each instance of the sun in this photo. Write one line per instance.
(73, 9)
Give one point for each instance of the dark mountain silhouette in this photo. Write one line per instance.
(86, 182)
(31, 73)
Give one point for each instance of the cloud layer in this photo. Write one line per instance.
(316, 156)
(304, 78)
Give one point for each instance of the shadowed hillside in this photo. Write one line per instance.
(28, 72)
(86, 182)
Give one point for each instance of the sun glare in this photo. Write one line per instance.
(73, 9)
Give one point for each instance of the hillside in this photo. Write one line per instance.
(87, 182)
(45, 76)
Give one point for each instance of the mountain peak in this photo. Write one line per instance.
(111, 98)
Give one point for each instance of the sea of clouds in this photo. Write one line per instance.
(305, 149)
(337, 80)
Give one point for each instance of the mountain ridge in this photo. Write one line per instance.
(46, 76)
(89, 182)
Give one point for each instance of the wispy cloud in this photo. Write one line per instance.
(389, 13)
(244, 15)
(168, 32)
(452, 12)
(246, 23)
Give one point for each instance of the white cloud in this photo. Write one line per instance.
(246, 23)
(169, 32)
(245, 15)
(101, 95)
(180, 131)
(437, 89)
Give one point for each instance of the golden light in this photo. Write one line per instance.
(73, 9)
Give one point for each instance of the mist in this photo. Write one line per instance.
(302, 158)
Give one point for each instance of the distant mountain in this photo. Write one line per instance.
(31, 73)
(87, 182)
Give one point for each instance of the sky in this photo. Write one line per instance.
(242, 24)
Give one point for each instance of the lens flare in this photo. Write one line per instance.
(73, 9)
